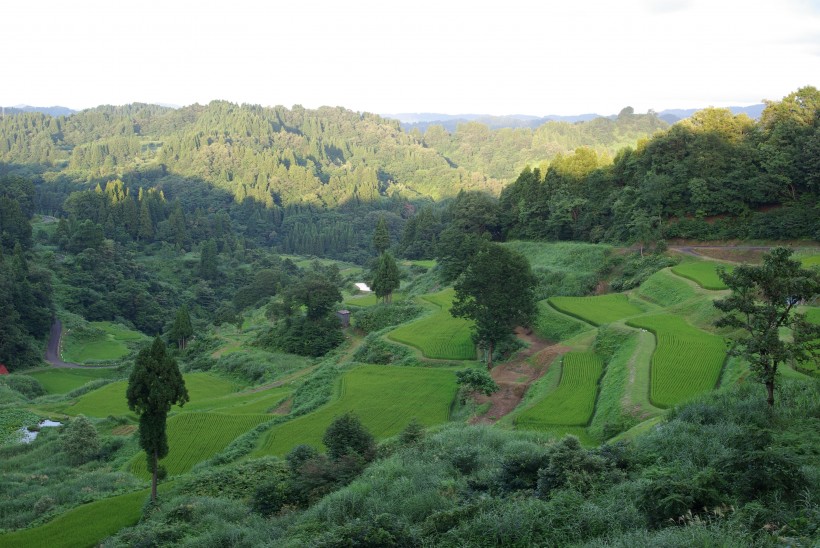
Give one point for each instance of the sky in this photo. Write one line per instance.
(484, 57)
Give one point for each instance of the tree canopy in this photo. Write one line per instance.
(764, 299)
(496, 291)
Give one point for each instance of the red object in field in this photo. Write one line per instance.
(3, 370)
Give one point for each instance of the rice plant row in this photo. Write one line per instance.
(598, 310)
(686, 362)
(439, 335)
(194, 437)
(573, 401)
(385, 398)
(110, 399)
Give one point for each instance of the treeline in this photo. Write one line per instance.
(502, 153)
(26, 305)
(713, 176)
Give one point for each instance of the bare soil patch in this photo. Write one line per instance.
(284, 407)
(124, 430)
(515, 376)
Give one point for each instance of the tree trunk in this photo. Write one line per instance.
(489, 356)
(770, 392)
(154, 479)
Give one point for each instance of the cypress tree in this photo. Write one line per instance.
(154, 386)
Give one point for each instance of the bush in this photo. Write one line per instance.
(520, 466)
(303, 336)
(377, 350)
(25, 385)
(346, 436)
(80, 440)
(376, 318)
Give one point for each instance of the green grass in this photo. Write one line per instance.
(101, 341)
(62, 381)
(703, 273)
(423, 263)
(666, 289)
(194, 437)
(370, 299)
(110, 399)
(598, 310)
(85, 525)
(810, 260)
(385, 398)
(686, 362)
(555, 326)
(439, 335)
(573, 401)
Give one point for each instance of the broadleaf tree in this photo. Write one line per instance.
(764, 299)
(154, 386)
(497, 292)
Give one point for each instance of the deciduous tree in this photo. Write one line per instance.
(496, 291)
(764, 299)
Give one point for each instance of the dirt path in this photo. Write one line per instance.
(515, 376)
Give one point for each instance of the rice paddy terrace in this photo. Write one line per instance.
(634, 355)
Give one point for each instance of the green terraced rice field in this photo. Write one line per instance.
(598, 310)
(439, 335)
(194, 437)
(703, 273)
(666, 289)
(573, 401)
(686, 362)
(810, 260)
(110, 399)
(243, 403)
(86, 525)
(384, 397)
(370, 299)
(62, 381)
(107, 341)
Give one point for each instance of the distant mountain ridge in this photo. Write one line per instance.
(51, 111)
(423, 120)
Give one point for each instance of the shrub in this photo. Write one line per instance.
(25, 385)
(346, 436)
(80, 440)
(376, 318)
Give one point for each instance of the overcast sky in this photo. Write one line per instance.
(494, 57)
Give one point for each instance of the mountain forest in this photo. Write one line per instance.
(599, 333)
